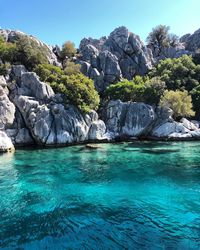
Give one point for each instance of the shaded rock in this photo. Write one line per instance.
(23, 137)
(192, 42)
(115, 114)
(129, 119)
(139, 118)
(7, 110)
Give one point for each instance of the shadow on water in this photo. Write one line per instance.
(159, 151)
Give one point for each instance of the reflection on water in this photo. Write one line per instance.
(141, 195)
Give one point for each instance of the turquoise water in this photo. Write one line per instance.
(121, 196)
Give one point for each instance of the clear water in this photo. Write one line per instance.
(121, 196)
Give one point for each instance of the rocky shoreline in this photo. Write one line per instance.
(36, 116)
(31, 114)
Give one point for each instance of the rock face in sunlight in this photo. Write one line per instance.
(107, 60)
(42, 118)
(191, 41)
(140, 120)
(5, 143)
(129, 119)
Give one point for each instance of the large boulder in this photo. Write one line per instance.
(31, 86)
(5, 143)
(138, 119)
(129, 119)
(169, 128)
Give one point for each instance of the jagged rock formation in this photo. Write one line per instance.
(107, 60)
(141, 120)
(191, 41)
(33, 114)
(13, 35)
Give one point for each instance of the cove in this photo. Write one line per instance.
(139, 195)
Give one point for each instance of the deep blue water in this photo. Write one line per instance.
(121, 196)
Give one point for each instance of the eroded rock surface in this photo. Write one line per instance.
(107, 60)
(41, 117)
(6, 144)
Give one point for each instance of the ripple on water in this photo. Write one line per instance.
(120, 196)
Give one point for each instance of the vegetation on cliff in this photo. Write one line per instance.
(173, 82)
(76, 88)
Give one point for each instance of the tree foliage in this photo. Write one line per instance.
(76, 88)
(68, 50)
(29, 53)
(179, 101)
(178, 73)
(160, 38)
(138, 90)
(125, 91)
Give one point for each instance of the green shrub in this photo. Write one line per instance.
(195, 93)
(8, 51)
(154, 89)
(179, 101)
(125, 91)
(29, 53)
(71, 68)
(68, 50)
(78, 90)
(48, 72)
(178, 73)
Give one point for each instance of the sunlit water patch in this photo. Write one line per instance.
(120, 196)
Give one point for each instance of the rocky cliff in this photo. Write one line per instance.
(139, 120)
(123, 55)
(31, 114)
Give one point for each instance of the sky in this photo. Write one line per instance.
(56, 21)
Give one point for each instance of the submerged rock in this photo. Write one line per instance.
(93, 146)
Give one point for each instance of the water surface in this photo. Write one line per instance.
(120, 196)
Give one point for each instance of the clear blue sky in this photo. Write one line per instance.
(57, 21)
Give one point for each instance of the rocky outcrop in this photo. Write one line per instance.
(107, 60)
(126, 120)
(36, 115)
(191, 41)
(13, 35)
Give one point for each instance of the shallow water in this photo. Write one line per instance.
(120, 196)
